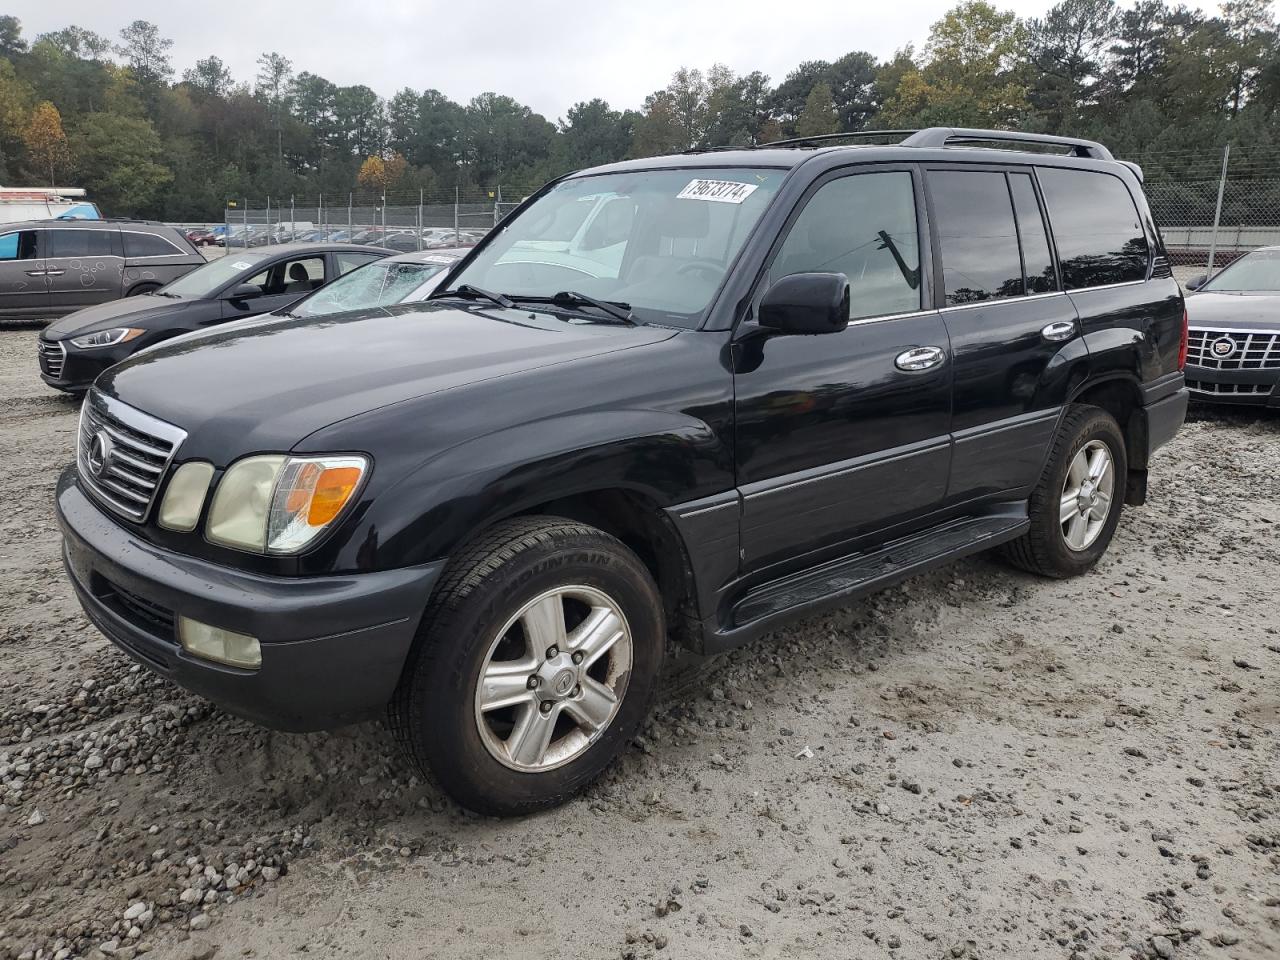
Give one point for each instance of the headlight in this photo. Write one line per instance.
(106, 338)
(277, 504)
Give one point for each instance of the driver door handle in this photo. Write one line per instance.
(54, 273)
(1058, 331)
(919, 358)
(37, 273)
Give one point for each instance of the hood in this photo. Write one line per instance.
(267, 384)
(1231, 311)
(126, 312)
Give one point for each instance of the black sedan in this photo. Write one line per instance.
(1234, 344)
(244, 283)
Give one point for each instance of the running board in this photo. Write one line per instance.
(847, 578)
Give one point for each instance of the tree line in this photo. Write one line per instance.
(1151, 79)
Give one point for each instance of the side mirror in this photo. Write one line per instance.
(807, 303)
(1195, 283)
(243, 291)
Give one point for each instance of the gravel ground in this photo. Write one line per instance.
(976, 764)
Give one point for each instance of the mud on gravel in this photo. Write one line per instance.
(975, 764)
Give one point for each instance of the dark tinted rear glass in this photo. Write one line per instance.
(979, 242)
(1037, 261)
(148, 245)
(1096, 226)
(82, 243)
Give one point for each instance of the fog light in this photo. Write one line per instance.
(223, 646)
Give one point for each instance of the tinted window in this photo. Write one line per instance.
(1037, 261)
(148, 245)
(863, 226)
(18, 246)
(1096, 226)
(82, 243)
(979, 241)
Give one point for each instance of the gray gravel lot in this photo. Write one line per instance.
(976, 764)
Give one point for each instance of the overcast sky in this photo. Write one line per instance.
(547, 54)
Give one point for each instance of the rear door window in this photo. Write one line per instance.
(18, 246)
(977, 235)
(1037, 260)
(1096, 227)
(863, 226)
(148, 245)
(74, 244)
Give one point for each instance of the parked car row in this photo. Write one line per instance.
(299, 279)
(403, 239)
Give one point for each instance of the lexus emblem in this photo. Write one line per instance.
(99, 455)
(1223, 347)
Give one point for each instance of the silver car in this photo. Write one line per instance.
(49, 268)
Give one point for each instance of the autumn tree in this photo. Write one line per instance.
(45, 140)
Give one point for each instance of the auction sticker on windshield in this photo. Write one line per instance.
(720, 191)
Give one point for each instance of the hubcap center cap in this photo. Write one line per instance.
(558, 677)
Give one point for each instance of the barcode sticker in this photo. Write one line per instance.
(718, 191)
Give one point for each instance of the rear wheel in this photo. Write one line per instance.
(535, 664)
(1076, 508)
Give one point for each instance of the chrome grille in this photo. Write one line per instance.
(52, 353)
(1249, 349)
(1230, 389)
(122, 454)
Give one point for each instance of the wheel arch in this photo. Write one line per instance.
(1120, 395)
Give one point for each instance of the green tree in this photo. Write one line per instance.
(11, 42)
(1068, 51)
(819, 114)
(657, 132)
(593, 134)
(146, 52)
(120, 160)
(209, 78)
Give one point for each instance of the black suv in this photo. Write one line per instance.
(691, 397)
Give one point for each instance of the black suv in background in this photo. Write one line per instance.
(49, 268)
(693, 396)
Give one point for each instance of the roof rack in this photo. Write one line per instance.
(938, 137)
(827, 137)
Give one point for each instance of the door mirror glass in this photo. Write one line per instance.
(807, 303)
(1195, 283)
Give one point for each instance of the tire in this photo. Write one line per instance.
(142, 288)
(519, 573)
(1046, 549)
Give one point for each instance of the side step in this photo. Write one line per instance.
(862, 573)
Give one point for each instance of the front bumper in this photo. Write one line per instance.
(79, 368)
(332, 647)
(1259, 388)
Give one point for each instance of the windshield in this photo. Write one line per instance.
(1257, 272)
(204, 281)
(658, 240)
(374, 285)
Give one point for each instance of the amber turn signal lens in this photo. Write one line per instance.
(332, 491)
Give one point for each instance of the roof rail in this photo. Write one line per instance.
(938, 137)
(825, 137)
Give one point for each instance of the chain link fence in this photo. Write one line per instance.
(1214, 209)
(401, 221)
(1211, 209)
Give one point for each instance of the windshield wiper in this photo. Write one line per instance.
(468, 292)
(162, 293)
(571, 298)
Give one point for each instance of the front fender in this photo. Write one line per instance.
(666, 457)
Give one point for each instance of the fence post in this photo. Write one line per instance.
(226, 226)
(268, 226)
(497, 204)
(457, 237)
(350, 230)
(246, 223)
(293, 220)
(324, 226)
(384, 216)
(1217, 213)
(420, 218)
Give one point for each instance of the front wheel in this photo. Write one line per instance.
(1076, 507)
(534, 665)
